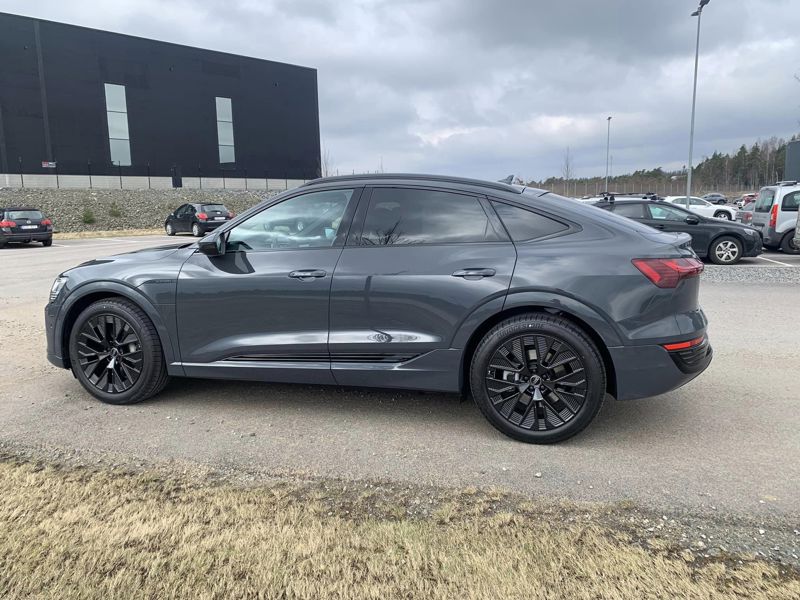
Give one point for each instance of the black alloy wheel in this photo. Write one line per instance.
(538, 378)
(115, 352)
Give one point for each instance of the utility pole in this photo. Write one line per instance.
(698, 13)
(608, 149)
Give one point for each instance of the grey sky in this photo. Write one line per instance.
(482, 88)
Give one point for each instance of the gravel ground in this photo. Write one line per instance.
(752, 274)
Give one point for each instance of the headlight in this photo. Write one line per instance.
(58, 285)
(750, 231)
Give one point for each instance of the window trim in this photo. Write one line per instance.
(571, 226)
(341, 235)
(359, 220)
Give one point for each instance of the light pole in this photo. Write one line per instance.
(608, 148)
(698, 13)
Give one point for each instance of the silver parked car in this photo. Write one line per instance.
(775, 215)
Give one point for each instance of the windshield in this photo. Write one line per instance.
(765, 199)
(14, 215)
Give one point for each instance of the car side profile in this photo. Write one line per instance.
(23, 225)
(197, 219)
(716, 198)
(537, 305)
(722, 242)
(704, 208)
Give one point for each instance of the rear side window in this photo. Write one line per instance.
(764, 200)
(525, 225)
(791, 201)
(405, 216)
(660, 212)
(632, 211)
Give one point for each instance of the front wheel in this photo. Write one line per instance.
(115, 352)
(725, 251)
(538, 378)
(723, 214)
(169, 229)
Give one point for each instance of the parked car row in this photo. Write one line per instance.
(703, 207)
(721, 241)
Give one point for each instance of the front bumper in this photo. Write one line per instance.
(644, 371)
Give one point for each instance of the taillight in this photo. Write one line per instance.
(7, 224)
(668, 272)
(202, 216)
(47, 222)
(684, 345)
(773, 216)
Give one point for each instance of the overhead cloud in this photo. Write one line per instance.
(483, 88)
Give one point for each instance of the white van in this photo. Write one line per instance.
(775, 215)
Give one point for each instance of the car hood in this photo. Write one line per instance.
(135, 256)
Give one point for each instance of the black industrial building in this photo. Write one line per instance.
(81, 101)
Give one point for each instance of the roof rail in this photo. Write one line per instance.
(787, 182)
(495, 185)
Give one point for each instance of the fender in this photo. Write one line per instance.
(554, 300)
(160, 318)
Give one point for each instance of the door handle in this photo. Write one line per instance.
(659, 226)
(305, 274)
(474, 273)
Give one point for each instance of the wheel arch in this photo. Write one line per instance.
(104, 290)
(534, 308)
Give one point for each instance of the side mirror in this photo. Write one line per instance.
(692, 220)
(213, 245)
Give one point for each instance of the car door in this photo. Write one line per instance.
(176, 218)
(419, 263)
(671, 218)
(260, 310)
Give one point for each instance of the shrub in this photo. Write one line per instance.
(113, 211)
(88, 216)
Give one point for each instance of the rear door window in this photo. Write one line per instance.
(525, 225)
(634, 210)
(214, 208)
(659, 212)
(765, 200)
(791, 201)
(412, 216)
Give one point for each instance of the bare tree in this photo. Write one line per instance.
(327, 162)
(566, 169)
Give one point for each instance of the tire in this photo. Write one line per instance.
(725, 250)
(723, 214)
(540, 416)
(787, 244)
(94, 325)
(196, 230)
(169, 229)
(47, 243)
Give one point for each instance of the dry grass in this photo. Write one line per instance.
(67, 533)
(79, 235)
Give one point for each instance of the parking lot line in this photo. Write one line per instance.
(777, 262)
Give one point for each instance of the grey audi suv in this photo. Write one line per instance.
(535, 304)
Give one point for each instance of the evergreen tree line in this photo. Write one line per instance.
(747, 169)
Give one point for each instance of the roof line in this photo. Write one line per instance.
(419, 177)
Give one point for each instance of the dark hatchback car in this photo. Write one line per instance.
(722, 242)
(24, 225)
(536, 304)
(197, 219)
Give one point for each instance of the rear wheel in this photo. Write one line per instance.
(788, 245)
(725, 251)
(723, 214)
(47, 243)
(538, 378)
(196, 230)
(116, 354)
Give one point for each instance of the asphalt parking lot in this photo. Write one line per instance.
(728, 441)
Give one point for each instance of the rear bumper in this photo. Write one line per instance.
(644, 371)
(209, 225)
(34, 236)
